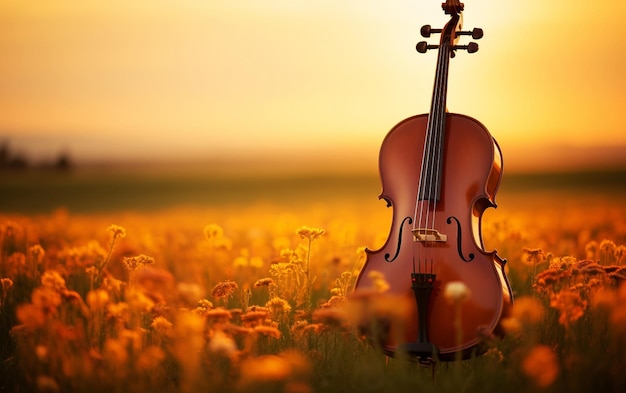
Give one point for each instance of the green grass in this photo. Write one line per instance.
(82, 191)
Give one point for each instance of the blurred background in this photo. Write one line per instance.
(198, 101)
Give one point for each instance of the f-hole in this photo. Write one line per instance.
(459, 240)
(387, 255)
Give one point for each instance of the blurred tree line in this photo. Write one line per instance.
(10, 160)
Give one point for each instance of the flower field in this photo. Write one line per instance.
(254, 295)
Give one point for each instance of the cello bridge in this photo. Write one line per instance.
(428, 235)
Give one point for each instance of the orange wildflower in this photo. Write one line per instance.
(528, 310)
(265, 368)
(162, 326)
(534, 256)
(570, 304)
(222, 343)
(37, 253)
(253, 318)
(331, 316)
(264, 282)
(268, 331)
(53, 280)
(541, 365)
(224, 289)
(218, 315)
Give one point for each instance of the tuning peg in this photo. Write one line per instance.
(423, 46)
(472, 47)
(426, 31)
(476, 33)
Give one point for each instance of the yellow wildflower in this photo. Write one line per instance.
(118, 311)
(117, 231)
(203, 307)
(335, 301)
(278, 307)
(299, 327)
(37, 253)
(92, 273)
(6, 284)
(496, 354)
(607, 252)
(256, 262)
(213, 231)
(240, 261)
(134, 263)
(162, 326)
(309, 233)
(52, 279)
(112, 284)
(97, 299)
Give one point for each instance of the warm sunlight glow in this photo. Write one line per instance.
(325, 80)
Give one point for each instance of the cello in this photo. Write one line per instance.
(439, 172)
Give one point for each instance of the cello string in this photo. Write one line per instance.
(441, 113)
(422, 196)
(435, 126)
(426, 186)
(438, 140)
(423, 185)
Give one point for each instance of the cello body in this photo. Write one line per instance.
(439, 172)
(472, 170)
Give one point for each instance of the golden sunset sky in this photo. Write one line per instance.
(313, 83)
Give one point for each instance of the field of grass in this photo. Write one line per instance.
(133, 283)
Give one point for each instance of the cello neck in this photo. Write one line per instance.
(432, 164)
